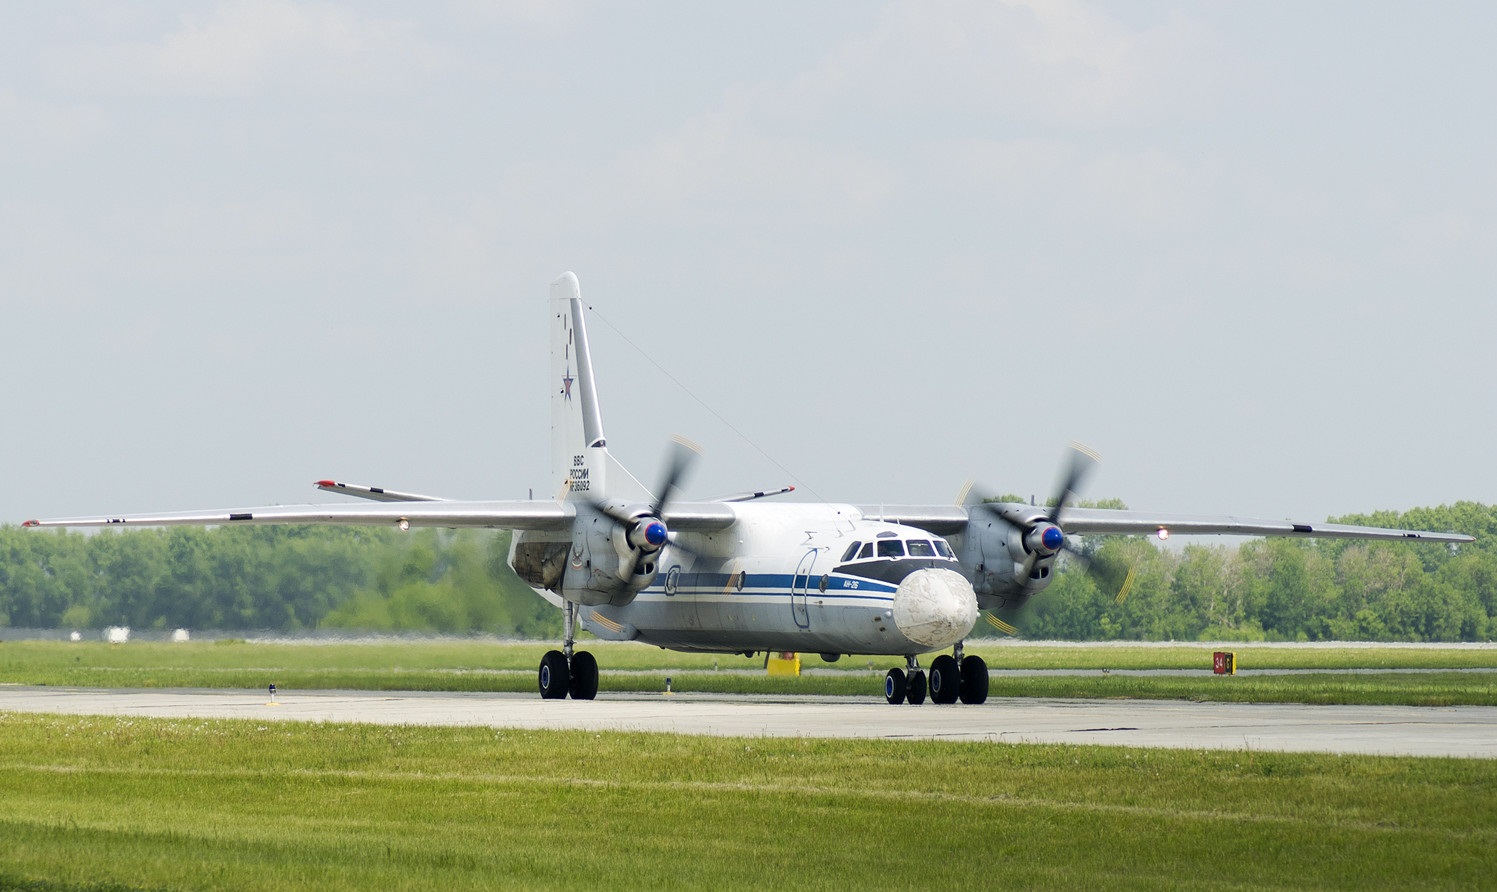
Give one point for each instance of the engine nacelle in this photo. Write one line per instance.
(601, 566)
(994, 554)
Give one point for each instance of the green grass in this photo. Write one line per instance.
(470, 665)
(1173, 655)
(145, 804)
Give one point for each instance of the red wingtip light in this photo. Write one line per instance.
(327, 483)
(32, 523)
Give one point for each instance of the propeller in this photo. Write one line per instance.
(1001, 626)
(1044, 537)
(646, 532)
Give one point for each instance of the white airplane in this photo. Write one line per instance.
(741, 575)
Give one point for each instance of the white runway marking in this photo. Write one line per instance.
(1465, 731)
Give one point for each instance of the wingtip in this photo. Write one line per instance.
(31, 523)
(326, 484)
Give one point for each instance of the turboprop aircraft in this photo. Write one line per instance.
(745, 575)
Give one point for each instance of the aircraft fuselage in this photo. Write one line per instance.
(804, 577)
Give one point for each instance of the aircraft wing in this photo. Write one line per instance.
(700, 517)
(508, 515)
(943, 520)
(502, 515)
(1101, 520)
(948, 520)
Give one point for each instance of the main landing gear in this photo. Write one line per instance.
(953, 677)
(567, 671)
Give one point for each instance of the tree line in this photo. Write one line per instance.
(1284, 589)
(282, 578)
(303, 578)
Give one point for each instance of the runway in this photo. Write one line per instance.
(1463, 731)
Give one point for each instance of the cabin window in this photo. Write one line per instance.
(867, 551)
(943, 549)
(851, 551)
(891, 548)
(921, 548)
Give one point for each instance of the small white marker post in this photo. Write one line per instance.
(668, 690)
(272, 696)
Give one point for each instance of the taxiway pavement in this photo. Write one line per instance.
(1463, 731)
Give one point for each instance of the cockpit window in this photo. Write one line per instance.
(891, 548)
(920, 548)
(943, 549)
(867, 551)
(851, 550)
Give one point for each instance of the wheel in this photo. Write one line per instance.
(974, 679)
(584, 676)
(894, 686)
(554, 676)
(945, 679)
(916, 692)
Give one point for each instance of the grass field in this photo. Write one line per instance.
(102, 804)
(107, 803)
(1469, 675)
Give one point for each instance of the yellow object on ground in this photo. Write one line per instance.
(783, 664)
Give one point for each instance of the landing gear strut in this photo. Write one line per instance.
(953, 677)
(568, 671)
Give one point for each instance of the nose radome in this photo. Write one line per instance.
(935, 607)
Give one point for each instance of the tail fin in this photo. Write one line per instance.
(581, 467)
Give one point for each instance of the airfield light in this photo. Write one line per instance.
(1164, 534)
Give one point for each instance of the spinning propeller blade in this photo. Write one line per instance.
(1000, 625)
(1045, 537)
(647, 532)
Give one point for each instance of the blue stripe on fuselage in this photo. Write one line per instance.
(771, 584)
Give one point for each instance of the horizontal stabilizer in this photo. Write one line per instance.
(750, 496)
(374, 493)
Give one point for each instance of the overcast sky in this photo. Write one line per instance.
(1246, 251)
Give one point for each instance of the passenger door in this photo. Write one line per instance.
(800, 585)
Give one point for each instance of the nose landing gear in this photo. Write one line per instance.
(905, 685)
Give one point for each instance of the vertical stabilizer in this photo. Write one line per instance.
(581, 467)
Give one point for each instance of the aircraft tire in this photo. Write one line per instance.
(894, 686)
(554, 677)
(974, 679)
(584, 681)
(915, 694)
(945, 679)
